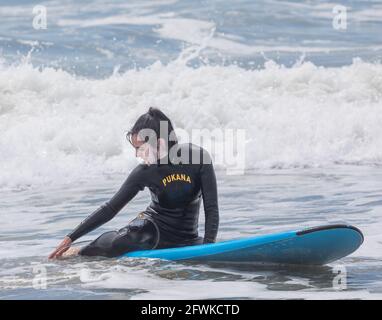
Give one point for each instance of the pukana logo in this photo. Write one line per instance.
(176, 177)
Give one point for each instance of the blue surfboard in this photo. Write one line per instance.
(312, 246)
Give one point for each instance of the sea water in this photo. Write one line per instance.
(308, 97)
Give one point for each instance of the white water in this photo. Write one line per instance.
(57, 127)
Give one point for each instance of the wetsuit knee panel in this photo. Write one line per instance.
(140, 234)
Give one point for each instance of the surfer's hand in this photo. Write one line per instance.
(62, 247)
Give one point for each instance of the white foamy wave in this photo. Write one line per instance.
(59, 127)
(156, 287)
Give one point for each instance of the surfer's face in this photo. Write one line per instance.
(143, 150)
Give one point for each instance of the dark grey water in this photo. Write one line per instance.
(256, 203)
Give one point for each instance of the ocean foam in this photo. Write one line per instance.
(59, 127)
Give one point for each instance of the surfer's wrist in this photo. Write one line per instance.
(70, 237)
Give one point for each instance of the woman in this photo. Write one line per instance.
(177, 175)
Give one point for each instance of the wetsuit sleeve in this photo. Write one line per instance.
(210, 199)
(133, 184)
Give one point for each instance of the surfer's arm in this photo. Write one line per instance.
(210, 200)
(108, 210)
(102, 215)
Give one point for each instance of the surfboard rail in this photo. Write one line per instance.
(311, 246)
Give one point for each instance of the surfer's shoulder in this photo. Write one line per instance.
(139, 171)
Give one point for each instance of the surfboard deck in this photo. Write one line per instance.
(312, 246)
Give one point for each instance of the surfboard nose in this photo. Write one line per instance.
(332, 226)
(328, 243)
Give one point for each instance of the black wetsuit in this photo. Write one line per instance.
(171, 219)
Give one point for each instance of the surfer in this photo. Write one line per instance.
(178, 177)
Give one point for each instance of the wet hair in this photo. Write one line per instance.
(152, 120)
